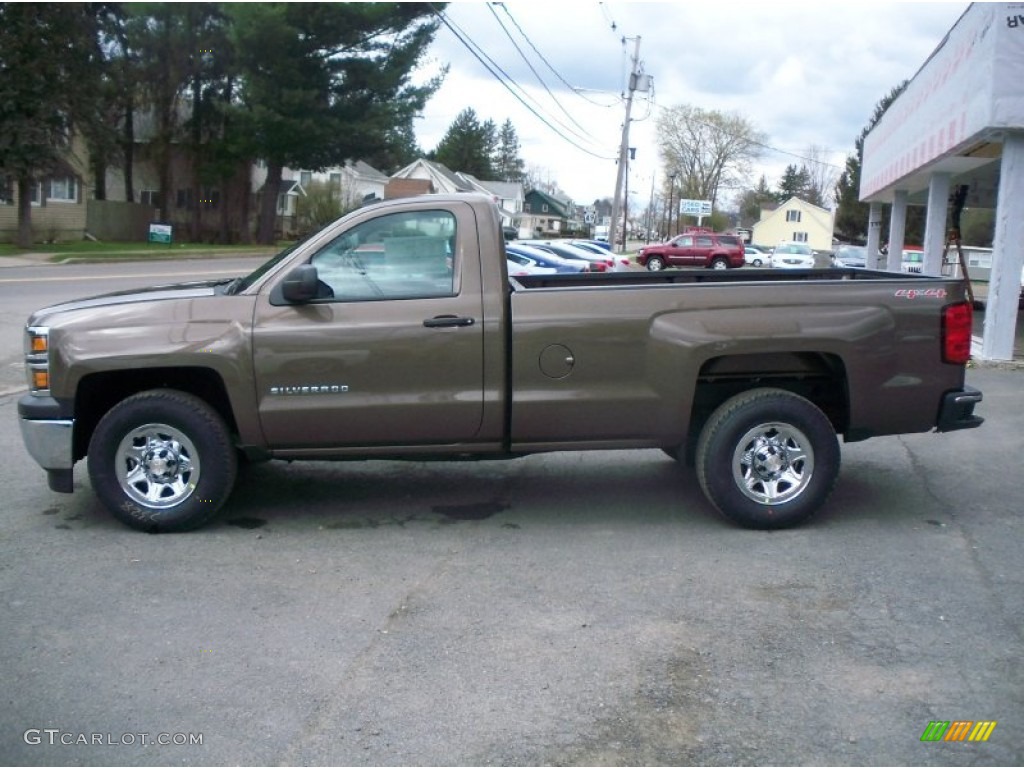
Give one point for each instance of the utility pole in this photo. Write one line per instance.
(634, 78)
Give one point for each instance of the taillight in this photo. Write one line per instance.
(600, 266)
(956, 333)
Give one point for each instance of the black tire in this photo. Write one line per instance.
(655, 264)
(756, 263)
(719, 262)
(767, 458)
(162, 461)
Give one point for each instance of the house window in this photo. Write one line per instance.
(6, 190)
(63, 190)
(185, 199)
(150, 197)
(793, 216)
(544, 208)
(335, 181)
(526, 207)
(799, 237)
(305, 178)
(35, 192)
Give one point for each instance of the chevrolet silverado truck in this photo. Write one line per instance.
(396, 333)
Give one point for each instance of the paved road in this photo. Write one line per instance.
(565, 609)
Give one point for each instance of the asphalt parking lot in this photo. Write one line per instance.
(574, 609)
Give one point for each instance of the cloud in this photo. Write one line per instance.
(805, 73)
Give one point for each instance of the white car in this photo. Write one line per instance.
(519, 265)
(789, 255)
(756, 256)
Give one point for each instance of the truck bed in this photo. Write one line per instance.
(697, 275)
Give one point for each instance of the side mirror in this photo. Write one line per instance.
(300, 285)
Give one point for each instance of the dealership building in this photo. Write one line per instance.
(955, 138)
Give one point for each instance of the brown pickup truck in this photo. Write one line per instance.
(396, 333)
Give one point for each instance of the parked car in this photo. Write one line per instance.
(520, 266)
(789, 255)
(604, 245)
(756, 256)
(599, 263)
(913, 260)
(546, 258)
(602, 249)
(850, 256)
(700, 249)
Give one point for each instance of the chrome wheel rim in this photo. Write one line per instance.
(157, 466)
(773, 463)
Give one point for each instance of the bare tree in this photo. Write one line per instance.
(821, 176)
(708, 150)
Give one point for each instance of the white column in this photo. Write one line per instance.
(897, 228)
(935, 226)
(1007, 254)
(874, 234)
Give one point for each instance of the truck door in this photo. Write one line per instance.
(680, 252)
(391, 351)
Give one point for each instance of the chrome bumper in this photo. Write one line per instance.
(49, 443)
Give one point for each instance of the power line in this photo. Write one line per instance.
(472, 48)
(535, 72)
(541, 56)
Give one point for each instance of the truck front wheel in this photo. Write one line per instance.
(162, 461)
(767, 458)
(655, 264)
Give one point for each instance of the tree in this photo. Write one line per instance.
(707, 149)
(821, 176)
(851, 219)
(508, 165)
(321, 83)
(49, 73)
(753, 200)
(794, 183)
(468, 145)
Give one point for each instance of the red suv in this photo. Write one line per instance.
(702, 249)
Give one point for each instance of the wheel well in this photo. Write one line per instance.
(819, 377)
(99, 392)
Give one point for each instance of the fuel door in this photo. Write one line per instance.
(556, 361)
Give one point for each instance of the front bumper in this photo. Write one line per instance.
(50, 441)
(957, 410)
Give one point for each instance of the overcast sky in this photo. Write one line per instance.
(804, 73)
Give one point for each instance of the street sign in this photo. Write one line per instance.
(695, 207)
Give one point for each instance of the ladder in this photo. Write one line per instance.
(949, 264)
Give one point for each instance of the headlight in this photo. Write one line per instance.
(37, 360)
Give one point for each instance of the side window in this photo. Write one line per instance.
(398, 256)
(704, 242)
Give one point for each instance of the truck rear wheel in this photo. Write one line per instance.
(767, 458)
(719, 262)
(162, 461)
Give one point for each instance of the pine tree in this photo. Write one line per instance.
(468, 146)
(508, 165)
(321, 83)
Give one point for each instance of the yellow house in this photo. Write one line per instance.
(795, 220)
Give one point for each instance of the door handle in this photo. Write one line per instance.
(448, 321)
